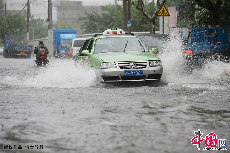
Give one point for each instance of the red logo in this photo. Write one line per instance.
(210, 141)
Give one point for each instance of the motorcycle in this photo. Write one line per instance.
(42, 60)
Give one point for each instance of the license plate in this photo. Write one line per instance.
(22, 53)
(134, 73)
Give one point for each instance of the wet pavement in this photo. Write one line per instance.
(63, 108)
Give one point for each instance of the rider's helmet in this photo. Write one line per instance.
(40, 42)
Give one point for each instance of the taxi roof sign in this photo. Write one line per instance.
(113, 31)
(163, 11)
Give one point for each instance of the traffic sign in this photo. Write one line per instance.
(163, 11)
(129, 23)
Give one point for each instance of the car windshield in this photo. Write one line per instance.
(119, 44)
(78, 43)
(65, 43)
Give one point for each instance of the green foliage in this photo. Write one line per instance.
(187, 11)
(1, 6)
(112, 16)
(193, 12)
(139, 21)
(214, 12)
(91, 24)
(15, 24)
(66, 25)
(40, 29)
(186, 14)
(12, 25)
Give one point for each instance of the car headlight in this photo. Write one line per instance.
(155, 63)
(108, 65)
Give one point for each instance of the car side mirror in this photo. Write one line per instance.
(154, 50)
(85, 52)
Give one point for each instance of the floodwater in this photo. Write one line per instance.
(63, 108)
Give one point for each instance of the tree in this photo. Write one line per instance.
(91, 23)
(186, 16)
(216, 11)
(39, 27)
(66, 24)
(142, 5)
(1, 7)
(112, 16)
(187, 11)
(144, 22)
(12, 25)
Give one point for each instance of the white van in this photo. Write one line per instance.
(76, 45)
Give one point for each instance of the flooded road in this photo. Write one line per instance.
(63, 108)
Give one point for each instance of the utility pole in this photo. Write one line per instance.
(5, 9)
(50, 19)
(33, 41)
(4, 23)
(125, 14)
(50, 29)
(28, 20)
(129, 16)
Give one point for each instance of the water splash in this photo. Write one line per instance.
(63, 74)
(59, 73)
(173, 60)
(214, 70)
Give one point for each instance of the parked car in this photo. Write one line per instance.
(76, 45)
(117, 56)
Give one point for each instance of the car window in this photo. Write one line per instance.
(78, 43)
(85, 45)
(65, 43)
(153, 41)
(119, 44)
(90, 46)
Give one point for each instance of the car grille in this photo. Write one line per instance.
(132, 65)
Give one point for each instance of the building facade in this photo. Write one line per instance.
(72, 11)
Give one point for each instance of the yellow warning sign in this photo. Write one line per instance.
(163, 11)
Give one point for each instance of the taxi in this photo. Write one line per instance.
(117, 56)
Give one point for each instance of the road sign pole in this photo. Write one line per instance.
(163, 24)
(129, 15)
(125, 14)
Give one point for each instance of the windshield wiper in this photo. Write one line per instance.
(126, 45)
(141, 45)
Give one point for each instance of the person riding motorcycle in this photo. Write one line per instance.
(39, 49)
